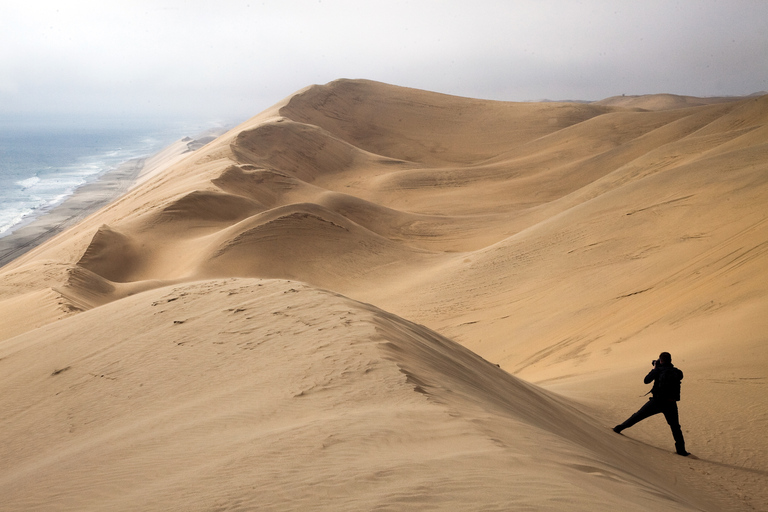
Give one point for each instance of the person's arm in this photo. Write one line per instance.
(651, 376)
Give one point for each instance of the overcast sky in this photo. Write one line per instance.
(229, 60)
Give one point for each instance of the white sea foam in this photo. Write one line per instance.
(41, 169)
(29, 182)
(10, 217)
(36, 195)
(50, 187)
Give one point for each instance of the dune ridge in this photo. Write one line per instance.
(567, 243)
(125, 423)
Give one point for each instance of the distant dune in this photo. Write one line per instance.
(663, 101)
(375, 297)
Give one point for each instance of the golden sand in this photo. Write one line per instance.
(374, 297)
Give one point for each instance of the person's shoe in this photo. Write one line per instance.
(617, 429)
(683, 453)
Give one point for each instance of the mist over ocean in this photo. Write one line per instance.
(41, 164)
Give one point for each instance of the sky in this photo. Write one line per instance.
(228, 60)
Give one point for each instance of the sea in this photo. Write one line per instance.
(42, 164)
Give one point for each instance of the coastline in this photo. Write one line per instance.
(85, 200)
(95, 195)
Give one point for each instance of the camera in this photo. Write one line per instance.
(653, 363)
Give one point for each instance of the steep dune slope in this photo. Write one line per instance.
(420, 126)
(246, 394)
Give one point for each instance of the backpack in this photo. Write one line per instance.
(668, 384)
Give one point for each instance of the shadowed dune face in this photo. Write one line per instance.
(111, 255)
(301, 150)
(568, 243)
(319, 241)
(211, 206)
(269, 187)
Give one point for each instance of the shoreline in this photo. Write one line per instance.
(94, 195)
(85, 200)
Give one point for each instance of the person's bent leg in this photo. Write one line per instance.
(650, 408)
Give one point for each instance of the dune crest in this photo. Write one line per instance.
(567, 243)
(302, 150)
(222, 381)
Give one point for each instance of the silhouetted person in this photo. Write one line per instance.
(664, 397)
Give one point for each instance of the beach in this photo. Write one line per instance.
(92, 196)
(86, 200)
(372, 297)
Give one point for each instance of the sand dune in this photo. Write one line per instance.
(268, 395)
(662, 101)
(186, 347)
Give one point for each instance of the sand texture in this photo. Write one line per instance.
(370, 297)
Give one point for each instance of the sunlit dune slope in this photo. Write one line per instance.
(568, 243)
(272, 395)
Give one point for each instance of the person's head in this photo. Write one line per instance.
(665, 358)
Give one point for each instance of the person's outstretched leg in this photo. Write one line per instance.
(650, 408)
(673, 419)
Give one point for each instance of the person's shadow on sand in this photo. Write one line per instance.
(731, 466)
(716, 463)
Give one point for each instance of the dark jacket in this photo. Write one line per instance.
(671, 394)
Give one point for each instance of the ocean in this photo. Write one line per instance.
(41, 165)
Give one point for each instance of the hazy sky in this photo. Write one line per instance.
(223, 59)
